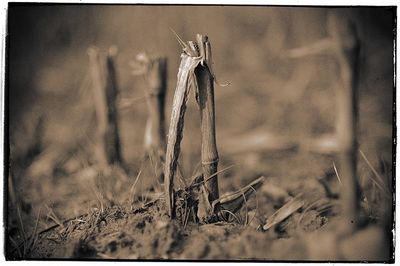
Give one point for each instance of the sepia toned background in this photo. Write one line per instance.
(287, 100)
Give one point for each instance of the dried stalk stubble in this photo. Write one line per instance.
(175, 133)
(103, 73)
(154, 71)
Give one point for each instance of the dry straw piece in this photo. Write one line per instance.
(284, 212)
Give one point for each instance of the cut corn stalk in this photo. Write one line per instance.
(347, 47)
(154, 70)
(209, 155)
(175, 133)
(343, 44)
(105, 92)
(195, 69)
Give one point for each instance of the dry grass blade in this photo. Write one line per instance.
(326, 206)
(22, 228)
(16, 246)
(35, 231)
(231, 213)
(133, 187)
(386, 172)
(27, 243)
(337, 173)
(284, 212)
(62, 224)
(94, 188)
(234, 201)
(52, 215)
(378, 180)
(181, 175)
(195, 177)
(218, 172)
(255, 212)
(309, 207)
